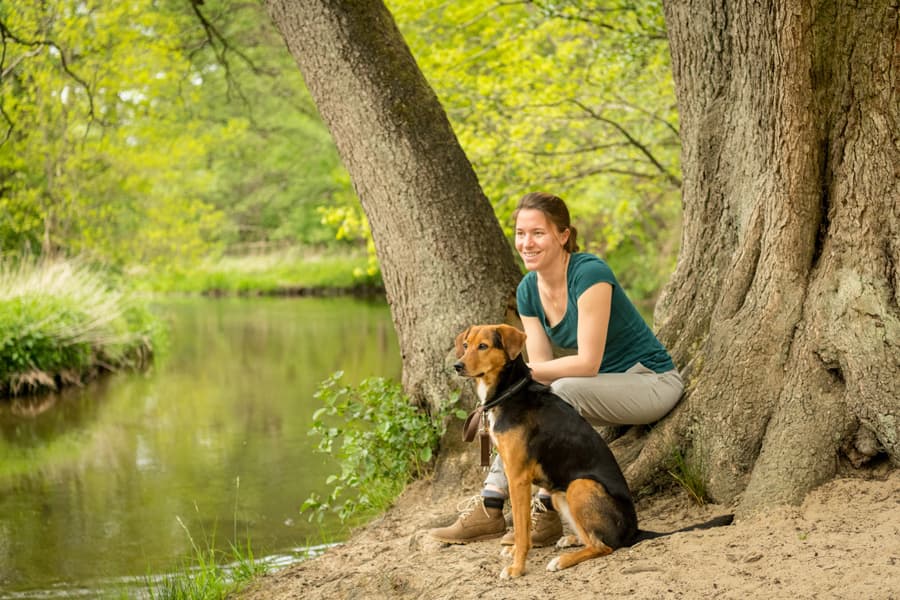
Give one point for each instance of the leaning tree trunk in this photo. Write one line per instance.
(784, 303)
(444, 259)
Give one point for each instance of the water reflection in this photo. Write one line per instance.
(92, 482)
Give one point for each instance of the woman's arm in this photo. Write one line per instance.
(536, 341)
(593, 323)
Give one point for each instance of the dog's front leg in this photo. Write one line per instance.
(520, 499)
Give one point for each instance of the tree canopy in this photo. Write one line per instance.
(177, 129)
(138, 133)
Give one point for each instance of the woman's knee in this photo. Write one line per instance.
(564, 388)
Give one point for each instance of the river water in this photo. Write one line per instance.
(106, 486)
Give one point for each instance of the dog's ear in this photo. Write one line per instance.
(513, 340)
(459, 342)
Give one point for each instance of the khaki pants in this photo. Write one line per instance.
(636, 397)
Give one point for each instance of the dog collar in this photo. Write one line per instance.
(509, 392)
(475, 418)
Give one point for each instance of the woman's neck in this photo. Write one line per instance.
(554, 276)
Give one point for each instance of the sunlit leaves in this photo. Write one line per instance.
(105, 169)
(572, 97)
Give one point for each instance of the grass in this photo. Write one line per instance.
(209, 574)
(62, 322)
(290, 271)
(689, 476)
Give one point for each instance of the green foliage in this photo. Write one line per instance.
(689, 476)
(271, 273)
(133, 135)
(60, 321)
(380, 440)
(570, 97)
(203, 576)
(99, 158)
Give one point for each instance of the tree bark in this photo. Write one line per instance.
(445, 261)
(783, 307)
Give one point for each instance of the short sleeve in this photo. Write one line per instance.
(590, 273)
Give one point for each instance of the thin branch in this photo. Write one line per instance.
(5, 33)
(632, 140)
(552, 12)
(601, 170)
(581, 150)
(653, 116)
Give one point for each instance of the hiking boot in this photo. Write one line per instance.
(546, 528)
(476, 522)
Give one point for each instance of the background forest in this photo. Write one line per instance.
(156, 137)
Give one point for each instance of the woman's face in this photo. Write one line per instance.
(538, 241)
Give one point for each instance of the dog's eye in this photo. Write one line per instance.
(465, 345)
(482, 346)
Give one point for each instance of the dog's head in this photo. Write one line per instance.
(483, 350)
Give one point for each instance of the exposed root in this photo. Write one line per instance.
(655, 449)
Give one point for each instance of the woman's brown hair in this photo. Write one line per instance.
(556, 212)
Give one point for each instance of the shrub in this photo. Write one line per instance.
(61, 321)
(380, 439)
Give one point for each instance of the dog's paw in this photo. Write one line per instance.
(510, 572)
(553, 565)
(568, 541)
(507, 551)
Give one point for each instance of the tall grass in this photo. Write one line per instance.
(63, 322)
(209, 574)
(689, 475)
(287, 271)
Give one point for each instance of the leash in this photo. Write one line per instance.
(470, 427)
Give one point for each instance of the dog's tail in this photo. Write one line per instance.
(717, 522)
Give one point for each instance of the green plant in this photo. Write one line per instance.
(209, 574)
(380, 439)
(688, 475)
(62, 320)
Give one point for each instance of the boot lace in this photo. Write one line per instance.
(467, 507)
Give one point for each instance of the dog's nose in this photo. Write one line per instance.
(459, 367)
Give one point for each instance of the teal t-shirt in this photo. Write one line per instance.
(628, 340)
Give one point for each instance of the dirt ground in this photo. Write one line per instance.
(842, 542)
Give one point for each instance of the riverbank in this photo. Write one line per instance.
(288, 272)
(63, 323)
(842, 542)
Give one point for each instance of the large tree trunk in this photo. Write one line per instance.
(784, 302)
(444, 259)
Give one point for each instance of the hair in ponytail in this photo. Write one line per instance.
(556, 212)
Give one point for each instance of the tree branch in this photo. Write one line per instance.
(672, 178)
(5, 36)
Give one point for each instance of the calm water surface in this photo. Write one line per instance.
(107, 485)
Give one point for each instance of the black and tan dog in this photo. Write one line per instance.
(543, 441)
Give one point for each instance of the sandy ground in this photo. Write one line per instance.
(842, 542)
